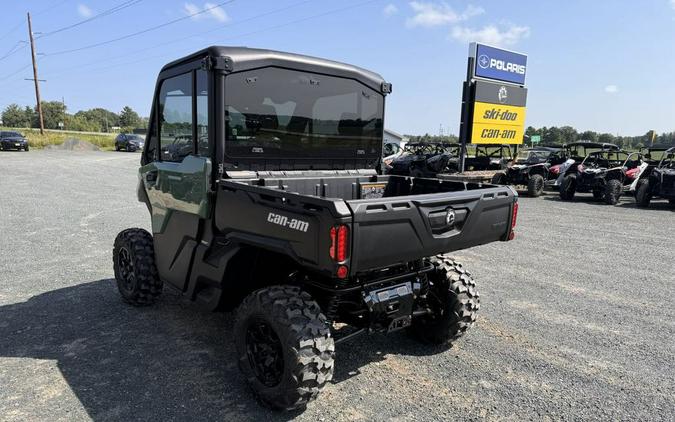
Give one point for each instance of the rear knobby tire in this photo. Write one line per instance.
(535, 186)
(301, 349)
(643, 195)
(568, 187)
(453, 301)
(613, 190)
(135, 269)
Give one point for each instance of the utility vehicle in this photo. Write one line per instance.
(604, 173)
(415, 154)
(531, 169)
(572, 155)
(657, 180)
(488, 157)
(259, 173)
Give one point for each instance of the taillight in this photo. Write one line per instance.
(339, 243)
(514, 219)
(339, 248)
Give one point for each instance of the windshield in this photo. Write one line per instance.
(272, 112)
(138, 137)
(607, 159)
(529, 156)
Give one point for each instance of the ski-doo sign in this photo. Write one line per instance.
(497, 64)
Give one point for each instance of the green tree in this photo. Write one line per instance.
(129, 119)
(569, 134)
(589, 135)
(101, 118)
(53, 112)
(15, 116)
(606, 138)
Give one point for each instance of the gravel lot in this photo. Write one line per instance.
(577, 319)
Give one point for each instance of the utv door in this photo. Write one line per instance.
(176, 181)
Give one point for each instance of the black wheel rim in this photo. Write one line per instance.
(265, 355)
(125, 266)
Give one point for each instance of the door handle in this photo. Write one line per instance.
(151, 176)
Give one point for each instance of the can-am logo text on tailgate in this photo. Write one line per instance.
(291, 223)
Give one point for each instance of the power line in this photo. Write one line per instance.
(133, 34)
(175, 40)
(52, 7)
(15, 48)
(318, 15)
(107, 12)
(4, 78)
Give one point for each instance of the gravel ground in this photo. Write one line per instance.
(577, 319)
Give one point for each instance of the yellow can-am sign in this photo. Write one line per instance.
(497, 124)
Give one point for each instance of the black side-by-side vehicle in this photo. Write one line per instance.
(259, 172)
(531, 169)
(658, 180)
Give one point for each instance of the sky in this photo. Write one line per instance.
(597, 65)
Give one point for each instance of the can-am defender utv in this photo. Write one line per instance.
(531, 169)
(259, 172)
(657, 180)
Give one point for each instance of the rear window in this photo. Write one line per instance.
(274, 112)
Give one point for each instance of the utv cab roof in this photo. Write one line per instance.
(236, 59)
(592, 145)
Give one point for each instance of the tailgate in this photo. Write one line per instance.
(399, 229)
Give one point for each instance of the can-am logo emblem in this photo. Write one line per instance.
(484, 61)
(450, 218)
(503, 95)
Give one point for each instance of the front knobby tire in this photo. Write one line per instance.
(613, 190)
(284, 346)
(643, 194)
(453, 301)
(535, 186)
(135, 269)
(568, 187)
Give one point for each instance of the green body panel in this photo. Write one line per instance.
(180, 186)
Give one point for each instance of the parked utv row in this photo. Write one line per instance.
(603, 169)
(429, 159)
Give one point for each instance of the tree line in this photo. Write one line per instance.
(567, 134)
(55, 112)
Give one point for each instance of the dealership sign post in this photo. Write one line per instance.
(494, 98)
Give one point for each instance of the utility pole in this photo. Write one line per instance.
(35, 77)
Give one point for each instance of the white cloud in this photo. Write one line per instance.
(216, 13)
(391, 9)
(436, 14)
(84, 11)
(672, 4)
(491, 34)
(611, 89)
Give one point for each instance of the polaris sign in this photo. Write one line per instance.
(497, 64)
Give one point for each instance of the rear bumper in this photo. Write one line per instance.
(14, 145)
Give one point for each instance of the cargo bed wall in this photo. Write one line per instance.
(359, 187)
